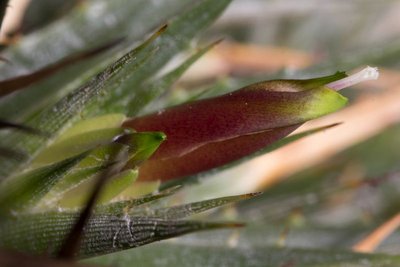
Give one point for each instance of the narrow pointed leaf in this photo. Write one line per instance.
(77, 144)
(13, 154)
(138, 146)
(55, 119)
(120, 207)
(132, 19)
(11, 85)
(20, 127)
(82, 26)
(103, 233)
(140, 189)
(108, 121)
(92, 164)
(25, 190)
(176, 38)
(73, 240)
(82, 136)
(185, 210)
(77, 197)
(155, 88)
(69, 108)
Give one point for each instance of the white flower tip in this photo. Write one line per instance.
(368, 73)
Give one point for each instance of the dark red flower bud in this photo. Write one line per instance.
(208, 133)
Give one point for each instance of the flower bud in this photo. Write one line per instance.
(208, 133)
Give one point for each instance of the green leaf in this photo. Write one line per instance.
(78, 196)
(82, 29)
(75, 145)
(258, 245)
(357, 172)
(176, 38)
(79, 31)
(120, 207)
(185, 210)
(108, 121)
(20, 127)
(11, 85)
(140, 189)
(116, 79)
(11, 153)
(180, 255)
(25, 190)
(155, 88)
(143, 143)
(138, 146)
(57, 118)
(103, 233)
(82, 136)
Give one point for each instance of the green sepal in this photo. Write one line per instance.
(84, 135)
(144, 143)
(138, 146)
(321, 81)
(323, 101)
(77, 197)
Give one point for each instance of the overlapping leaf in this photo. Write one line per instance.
(27, 189)
(80, 30)
(119, 75)
(11, 85)
(105, 232)
(55, 119)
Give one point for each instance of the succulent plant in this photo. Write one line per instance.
(87, 170)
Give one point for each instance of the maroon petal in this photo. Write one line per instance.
(210, 155)
(245, 111)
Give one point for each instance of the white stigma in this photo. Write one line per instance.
(367, 74)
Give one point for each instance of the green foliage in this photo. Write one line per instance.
(76, 79)
(63, 165)
(175, 254)
(107, 231)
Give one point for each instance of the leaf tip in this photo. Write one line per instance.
(331, 125)
(225, 225)
(251, 195)
(162, 29)
(217, 42)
